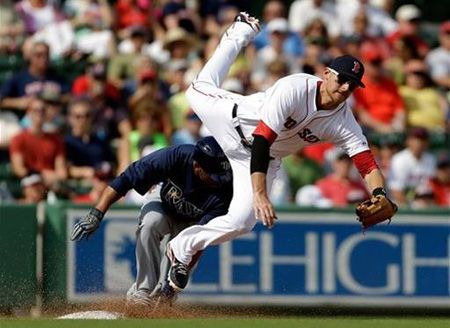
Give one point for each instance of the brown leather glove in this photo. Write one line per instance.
(375, 210)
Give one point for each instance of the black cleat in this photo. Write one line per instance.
(178, 276)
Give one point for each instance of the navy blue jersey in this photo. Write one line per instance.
(23, 83)
(182, 193)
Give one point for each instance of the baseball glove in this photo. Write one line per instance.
(375, 210)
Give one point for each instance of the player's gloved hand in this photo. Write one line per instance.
(377, 209)
(264, 210)
(84, 228)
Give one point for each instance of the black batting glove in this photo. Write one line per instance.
(84, 228)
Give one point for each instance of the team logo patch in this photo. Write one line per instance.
(356, 67)
(308, 136)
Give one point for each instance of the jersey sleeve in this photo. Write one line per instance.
(280, 102)
(347, 134)
(147, 171)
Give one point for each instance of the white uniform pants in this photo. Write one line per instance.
(214, 107)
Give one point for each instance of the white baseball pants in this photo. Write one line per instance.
(214, 107)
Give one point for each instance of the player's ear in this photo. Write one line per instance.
(197, 166)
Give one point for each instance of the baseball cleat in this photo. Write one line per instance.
(251, 21)
(178, 275)
(243, 30)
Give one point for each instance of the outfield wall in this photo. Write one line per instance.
(311, 257)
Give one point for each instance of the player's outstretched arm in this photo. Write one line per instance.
(90, 223)
(262, 206)
(259, 164)
(379, 207)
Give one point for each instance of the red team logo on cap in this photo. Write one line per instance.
(356, 67)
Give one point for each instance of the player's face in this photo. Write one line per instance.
(339, 87)
(204, 176)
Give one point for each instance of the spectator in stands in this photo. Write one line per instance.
(403, 51)
(275, 70)
(408, 18)
(278, 30)
(18, 91)
(411, 167)
(123, 65)
(148, 93)
(34, 150)
(379, 107)
(423, 197)
(190, 131)
(380, 21)
(361, 23)
(178, 80)
(316, 56)
(84, 149)
(54, 118)
(92, 21)
(439, 59)
(181, 45)
(146, 123)
(132, 13)
(389, 145)
(110, 114)
(94, 78)
(11, 28)
(423, 103)
(339, 186)
(37, 14)
(102, 175)
(303, 12)
(33, 189)
(440, 183)
(276, 9)
(301, 171)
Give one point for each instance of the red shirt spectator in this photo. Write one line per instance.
(342, 192)
(380, 99)
(39, 151)
(35, 150)
(133, 12)
(440, 184)
(379, 105)
(339, 187)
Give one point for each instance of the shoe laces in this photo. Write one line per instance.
(181, 269)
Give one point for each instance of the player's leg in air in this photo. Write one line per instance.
(213, 105)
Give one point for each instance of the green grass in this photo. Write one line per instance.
(326, 322)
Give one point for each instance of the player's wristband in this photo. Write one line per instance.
(260, 158)
(97, 213)
(379, 191)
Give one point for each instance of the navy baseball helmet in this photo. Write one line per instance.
(210, 156)
(349, 66)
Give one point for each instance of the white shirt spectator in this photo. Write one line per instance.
(409, 172)
(438, 61)
(380, 22)
(303, 12)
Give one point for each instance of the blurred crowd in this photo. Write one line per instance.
(89, 86)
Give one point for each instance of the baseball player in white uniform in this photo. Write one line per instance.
(256, 131)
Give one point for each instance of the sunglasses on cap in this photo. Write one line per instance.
(342, 79)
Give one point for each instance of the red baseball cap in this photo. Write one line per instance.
(371, 53)
(445, 27)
